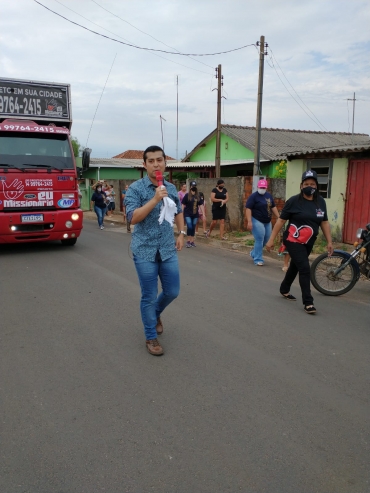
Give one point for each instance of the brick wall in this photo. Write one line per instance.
(276, 186)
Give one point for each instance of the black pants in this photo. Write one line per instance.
(299, 264)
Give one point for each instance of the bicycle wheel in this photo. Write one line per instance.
(324, 279)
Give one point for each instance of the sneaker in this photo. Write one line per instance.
(101, 227)
(193, 244)
(154, 347)
(188, 244)
(260, 264)
(159, 326)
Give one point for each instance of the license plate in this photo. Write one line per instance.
(32, 218)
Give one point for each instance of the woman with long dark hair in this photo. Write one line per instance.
(306, 212)
(219, 199)
(190, 204)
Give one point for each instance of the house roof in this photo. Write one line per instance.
(338, 148)
(277, 143)
(209, 164)
(96, 162)
(129, 154)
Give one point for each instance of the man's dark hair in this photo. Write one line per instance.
(153, 149)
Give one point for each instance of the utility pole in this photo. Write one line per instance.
(161, 118)
(257, 147)
(219, 78)
(353, 113)
(177, 117)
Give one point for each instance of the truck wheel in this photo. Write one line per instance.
(69, 242)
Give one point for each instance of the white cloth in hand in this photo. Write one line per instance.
(168, 211)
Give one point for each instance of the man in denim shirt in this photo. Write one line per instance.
(153, 245)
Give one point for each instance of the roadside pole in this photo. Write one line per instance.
(218, 131)
(257, 148)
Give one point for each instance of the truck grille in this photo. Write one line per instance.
(28, 228)
(27, 209)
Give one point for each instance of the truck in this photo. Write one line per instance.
(39, 194)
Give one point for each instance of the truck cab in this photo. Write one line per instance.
(38, 176)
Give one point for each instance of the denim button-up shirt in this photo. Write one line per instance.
(150, 237)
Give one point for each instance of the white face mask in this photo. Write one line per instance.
(261, 191)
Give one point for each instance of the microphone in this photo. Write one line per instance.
(159, 178)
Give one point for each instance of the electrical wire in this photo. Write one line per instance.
(316, 121)
(159, 41)
(155, 54)
(101, 95)
(141, 47)
(334, 139)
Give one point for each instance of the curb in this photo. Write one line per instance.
(213, 242)
(235, 247)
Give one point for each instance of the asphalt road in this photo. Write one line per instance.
(252, 394)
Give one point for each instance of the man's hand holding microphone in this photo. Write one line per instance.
(161, 190)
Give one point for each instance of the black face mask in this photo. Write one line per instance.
(308, 190)
(221, 186)
(193, 189)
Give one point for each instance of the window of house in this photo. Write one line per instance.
(324, 170)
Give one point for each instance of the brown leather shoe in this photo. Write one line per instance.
(154, 347)
(159, 326)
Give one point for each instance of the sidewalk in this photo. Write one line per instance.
(117, 219)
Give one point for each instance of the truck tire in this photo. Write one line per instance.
(69, 242)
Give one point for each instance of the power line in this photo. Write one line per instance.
(155, 54)
(141, 47)
(317, 122)
(100, 99)
(159, 41)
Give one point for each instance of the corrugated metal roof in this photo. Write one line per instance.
(277, 142)
(323, 150)
(209, 164)
(130, 154)
(116, 163)
(138, 163)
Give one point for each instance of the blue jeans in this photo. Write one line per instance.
(100, 214)
(191, 222)
(152, 305)
(261, 233)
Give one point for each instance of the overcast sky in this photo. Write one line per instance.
(319, 49)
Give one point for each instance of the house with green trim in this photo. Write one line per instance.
(341, 160)
(237, 149)
(117, 172)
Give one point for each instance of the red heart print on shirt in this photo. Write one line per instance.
(299, 235)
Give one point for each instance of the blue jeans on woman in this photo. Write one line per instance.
(261, 233)
(191, 222)
(100, 214)
(152, 305)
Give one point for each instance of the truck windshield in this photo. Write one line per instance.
(30, 149)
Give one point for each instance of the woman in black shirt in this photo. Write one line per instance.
(219, 198)
(190, 202)
(306, 212)
(98, 199)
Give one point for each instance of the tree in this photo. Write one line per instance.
(77, 148)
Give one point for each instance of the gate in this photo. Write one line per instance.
(357, 211)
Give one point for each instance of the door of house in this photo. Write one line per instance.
(357, 211)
